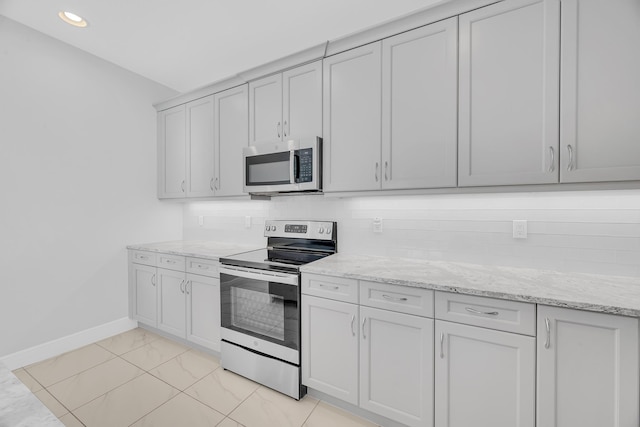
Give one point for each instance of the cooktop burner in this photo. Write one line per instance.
(290, 244)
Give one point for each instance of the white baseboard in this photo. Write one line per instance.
(70, 342)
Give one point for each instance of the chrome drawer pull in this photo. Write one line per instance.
(364, 321)
(547, 342)
(353, 319)
(335, 288)
(142, 257)
(202, 267)
(553, 159)
(488, 313)
(385, 296)
(570, 150)
(170, 261)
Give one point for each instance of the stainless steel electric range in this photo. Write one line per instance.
(260, 303)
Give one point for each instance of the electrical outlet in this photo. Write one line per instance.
(377, 225)
(247, 221)
(200, 220)
(520, 229)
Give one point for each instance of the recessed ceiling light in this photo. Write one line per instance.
(73, 19)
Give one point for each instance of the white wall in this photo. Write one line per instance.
(78, 179)
(592, 232)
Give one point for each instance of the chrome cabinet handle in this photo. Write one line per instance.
(182, 186)
(353, 320)
(386, 170)
(211, 184)
(142, 257)
(216, 184)
(182, 286)
(187, 287)
(170, 261)
(153, 280)
(441, 345)
(385, 296)
(488, 313)
(570, 150)
(322, 285)
(284, 128)
(377, 165)
(278, 129)
(552, 166)
(364, 321)
(547, 326)
(203, 267)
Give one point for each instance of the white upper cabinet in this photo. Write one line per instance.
(302, 101)
(265, 109)
(508, 100)
(286, 105)
(419, 107)
(172, 142)
(600, 92)
(230, 137)
(352, 119)
(587, 369)
(200, 167)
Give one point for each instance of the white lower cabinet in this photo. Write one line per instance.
(176, 300)
(203, 311)
(587, 369)
(143, 293)
(381, 360)
(396, 373)
(330, 347)
(483, 377)
(171, 302)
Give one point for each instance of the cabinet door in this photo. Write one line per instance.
(600, 97)
(302, 101)
(352, 89)
(420, 107)
(484, 378)
(172, 152)
(203, 311)
(171, 302)
(265, 109)
(509, 61)
(330, 347)
(396, 366)
(231, 136)
(587, 369)
(200, 153)
(144, 290)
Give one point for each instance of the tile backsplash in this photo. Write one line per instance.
(590, 232)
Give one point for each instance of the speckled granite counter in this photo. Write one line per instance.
(200, 249)
(608, 294)
(19, 407)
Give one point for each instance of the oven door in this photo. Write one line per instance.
(260, 310)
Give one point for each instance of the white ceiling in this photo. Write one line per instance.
(185, 44)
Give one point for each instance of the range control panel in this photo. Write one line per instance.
(323, 230)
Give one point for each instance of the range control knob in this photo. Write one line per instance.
(273, 228)
(321, 230)
(267, 228)
(328, 230)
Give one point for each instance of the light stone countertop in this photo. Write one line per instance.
(606, 294)
(21, 408)
(199, 249)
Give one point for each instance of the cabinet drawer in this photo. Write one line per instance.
(204, 267)
(337, 288)
(502, 315)
(143, 257)
(171, 262)
(404, 299)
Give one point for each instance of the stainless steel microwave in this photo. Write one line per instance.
(283, 167)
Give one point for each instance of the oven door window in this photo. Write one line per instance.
(268, 169)
(262, 309)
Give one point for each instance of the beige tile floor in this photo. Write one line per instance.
(141, 379)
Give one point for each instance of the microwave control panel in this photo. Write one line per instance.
(305, 165)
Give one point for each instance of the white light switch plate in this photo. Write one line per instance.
(520, 229)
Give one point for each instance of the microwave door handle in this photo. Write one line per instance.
(292, 167)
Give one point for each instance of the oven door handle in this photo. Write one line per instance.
(287, 279)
